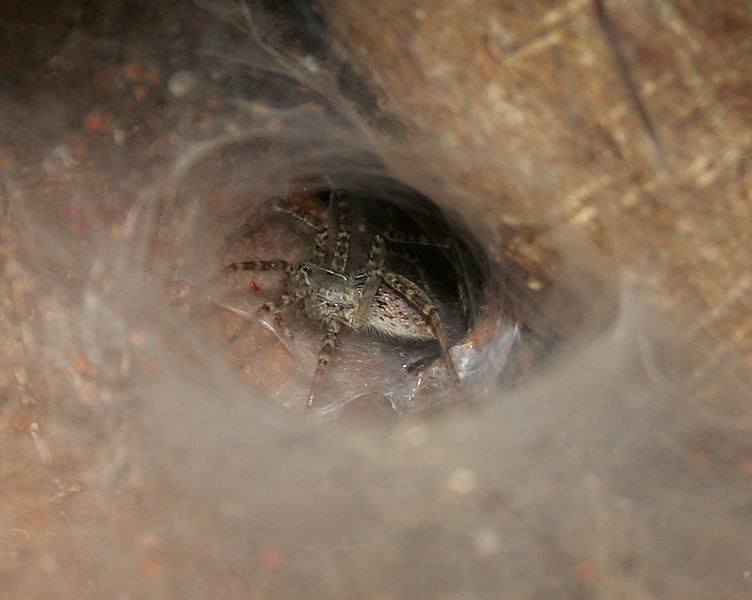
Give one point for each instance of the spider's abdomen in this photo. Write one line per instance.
(392, 315)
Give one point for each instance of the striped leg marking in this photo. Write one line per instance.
(342, 243)
(259, 265)
(420, 300)
(333, 329)
(373, 280)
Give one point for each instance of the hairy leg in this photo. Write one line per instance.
(318, 253)
(342, 243)
(273, 308)
(333, 329)
(259, 265)
(420, 300)
(449, 247)
(373, 281)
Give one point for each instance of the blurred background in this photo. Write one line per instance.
(589, 162)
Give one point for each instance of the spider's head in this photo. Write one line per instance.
(326, 294)
(302, 276)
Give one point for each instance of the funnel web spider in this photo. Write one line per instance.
(374, 299)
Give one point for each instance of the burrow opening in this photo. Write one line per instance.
(509, 294)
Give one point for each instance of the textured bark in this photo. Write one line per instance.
(629, 120)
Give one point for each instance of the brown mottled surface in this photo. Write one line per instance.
(530, 98)
(135, 464)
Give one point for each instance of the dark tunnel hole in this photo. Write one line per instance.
(504, 312)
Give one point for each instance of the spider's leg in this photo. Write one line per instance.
(332, 330)
(272, 307)
(275, 309)
(374, 269)
(304, 217)
(449, 247)
(259, 265)
(401, 237)
(420, 300)
(342, 243)
(318, 254)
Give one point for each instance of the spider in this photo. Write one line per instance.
(375, 299)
